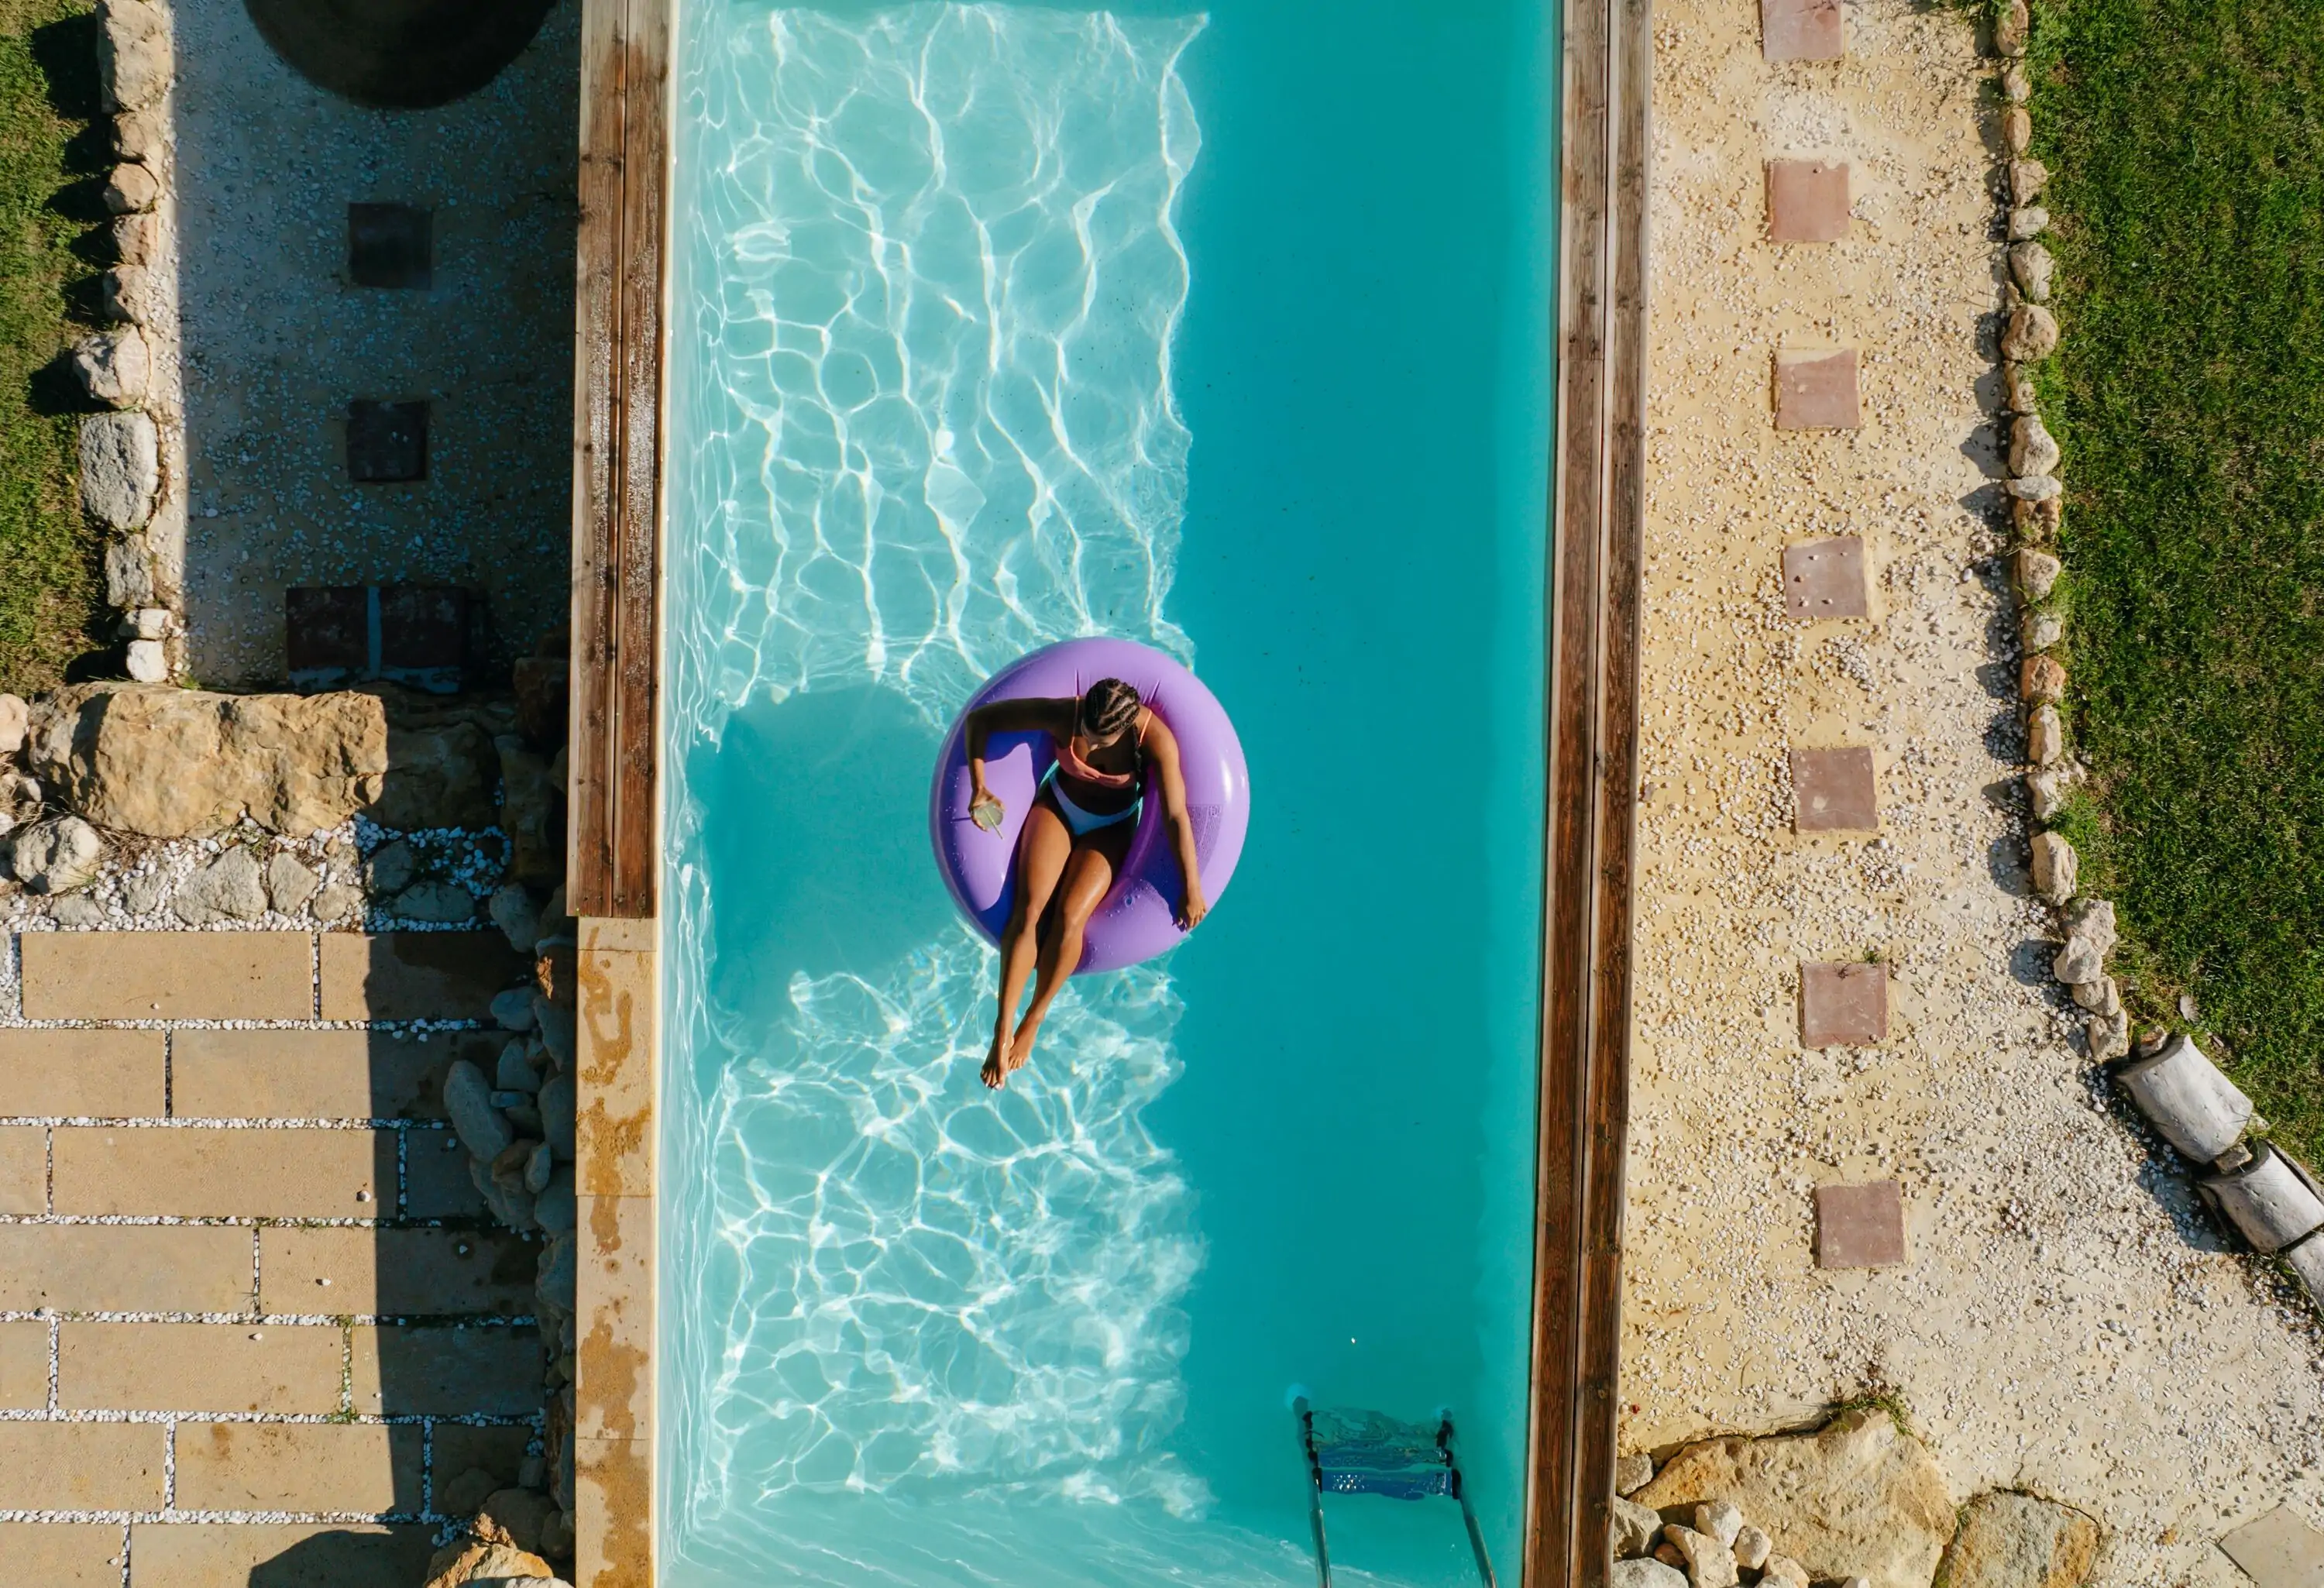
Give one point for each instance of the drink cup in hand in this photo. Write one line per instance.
(986, 811)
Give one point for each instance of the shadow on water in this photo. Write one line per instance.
(816, 830)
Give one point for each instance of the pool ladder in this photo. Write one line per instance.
(1365, 1453)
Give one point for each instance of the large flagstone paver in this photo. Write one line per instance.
(299, 1466)
(168, 976)
(415, 975)
(24, 1170)
(309, 1074)
(201, 1172)
(224, 1556)
(24, 1364)
(284, 1367)
(395, 1271)
(400, 1372)
(63, 1554)
(125, 1268)
(65, 1074)
(81, 1466)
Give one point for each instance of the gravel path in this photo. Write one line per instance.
(2066, 1322)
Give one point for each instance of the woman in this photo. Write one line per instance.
(1073, 838)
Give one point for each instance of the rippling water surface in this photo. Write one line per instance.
(929, 289)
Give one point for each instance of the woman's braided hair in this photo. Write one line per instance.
(1109, 706)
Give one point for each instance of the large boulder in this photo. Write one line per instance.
(178, 763)
(467, 1560)
(2020, 1541)
(135, 58)
(1859, 1497)
(439, 777)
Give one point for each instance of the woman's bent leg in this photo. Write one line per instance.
(1088, 877)
(1043, 847)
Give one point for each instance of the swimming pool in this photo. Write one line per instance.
(1224, 330)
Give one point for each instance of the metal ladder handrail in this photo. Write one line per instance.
(1307, 1415)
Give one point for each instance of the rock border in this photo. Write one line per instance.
(133, 453)
(2254, 1190)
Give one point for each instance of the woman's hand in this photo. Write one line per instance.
(985, 809)
(1191, 913)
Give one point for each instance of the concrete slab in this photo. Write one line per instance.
(415, 975)
(24, 1364)
(1859, 1226)
(64, 1554)
(1836, 789)
(2282, 1549)
(283, 1367)
(1843, 1005)
(298, 1467)
(1807, 200)
(63, 1073)
(125, 1268)
(310, 1074)
(168, 976)
(231, 1554)
(1816, 391)
(81, 1466)
(1825, 578)
(1802, 29)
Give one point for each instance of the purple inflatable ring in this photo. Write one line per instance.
(1138, 918)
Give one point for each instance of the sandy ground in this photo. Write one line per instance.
(278, 341)
(2066, 1322)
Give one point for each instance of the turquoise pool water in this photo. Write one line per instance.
(1229, 331)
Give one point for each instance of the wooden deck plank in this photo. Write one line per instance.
(1595, 553)
(617, 455)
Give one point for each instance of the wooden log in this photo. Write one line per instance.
(2305, 1259)
(2198, 1111)
(2268, 1201)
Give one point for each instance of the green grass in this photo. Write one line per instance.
(2186, 140)
(50, 585)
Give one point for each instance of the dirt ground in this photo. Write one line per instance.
(2066, 1322)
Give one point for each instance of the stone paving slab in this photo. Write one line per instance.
(283, 1367)
(63, 1554)
(612, 1539)
(416, 975)
(292, 1074)
(498, 1449)
(198, 1172)
(24, 1170)
(396, 1272)
(1859, 1226)
(1817, 392)
(2279, 1550)
(168, 976)
(1836, 789)
(400, 1371)
(1825, 579)
(224, 1556)
(613, 1323)
(1802, 29)
(1843, 1005)
(24, 1364)
(62, 1074)
(299, 1466)
(81, 1466)
(125, 1268)
(1807, 200)
(436, 1181)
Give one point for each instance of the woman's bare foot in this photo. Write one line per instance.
(1021, 1051)
(995, 1073)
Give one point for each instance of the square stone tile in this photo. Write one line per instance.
(1807, 200)
(1816, 391)
(1836, 790)
(327, 635)
(1859, 1226)
(391, 246)
(1802, 29)
(1843, 1005)
(2279, 1550)
(1825, 578)
(387, 442)
(424, 633)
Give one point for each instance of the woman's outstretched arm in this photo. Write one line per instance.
(1007, 716)
(1162, 746)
